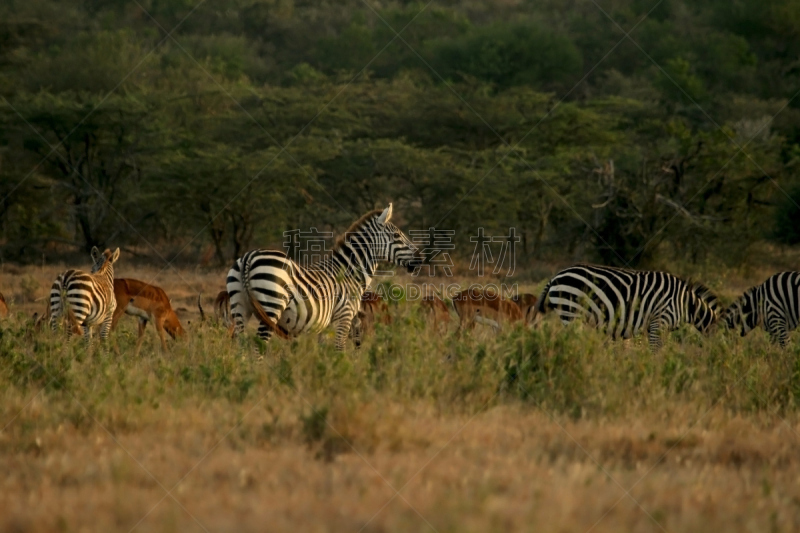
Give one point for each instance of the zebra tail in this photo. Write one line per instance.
(263, 317)
(66, 310)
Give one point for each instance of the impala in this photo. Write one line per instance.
(148, 303)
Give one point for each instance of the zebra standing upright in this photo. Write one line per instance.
(87, 300)
(775, 304)
(623, 301)
(289, 299)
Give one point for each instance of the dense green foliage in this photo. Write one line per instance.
(213, 126)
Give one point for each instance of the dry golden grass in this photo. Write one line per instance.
(555, 429)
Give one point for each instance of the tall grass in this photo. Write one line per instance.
(526, 400)
(573, 370)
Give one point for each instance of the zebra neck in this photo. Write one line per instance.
(106, 274)
(355, 262)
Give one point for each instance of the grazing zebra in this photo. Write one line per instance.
(289, 299)
(87, 300)
(775, 304)
(622, 301)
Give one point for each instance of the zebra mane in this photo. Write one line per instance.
(354, 226)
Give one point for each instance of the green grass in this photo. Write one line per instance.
(406, 398)
(571, 370)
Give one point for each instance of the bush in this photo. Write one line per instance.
(510, 55)
(787, 219)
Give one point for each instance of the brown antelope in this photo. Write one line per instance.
(438, 313)
(484, 307)
(3, 306)
(527, 304)
(373, 309)
(40, 321)
(148, 303)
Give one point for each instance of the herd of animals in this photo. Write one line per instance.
(289, 299)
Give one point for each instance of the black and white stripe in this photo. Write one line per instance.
(623, 302)
(289, 299)
(86, 299)
(775, 305)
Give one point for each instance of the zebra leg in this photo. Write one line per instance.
(342, 331)
(264, 332)
(55, 307)
(654, 335)
(240, 315)
(356, 331)
(240, 311)
(87, 335)
(105, 328)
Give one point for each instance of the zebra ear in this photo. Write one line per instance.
(115, 256)
(386, 215)
(95, 254)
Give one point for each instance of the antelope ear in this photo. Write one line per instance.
(386, 215)
(115, 255)
(95, 254)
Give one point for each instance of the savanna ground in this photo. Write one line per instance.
(550, 429)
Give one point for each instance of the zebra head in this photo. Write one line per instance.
(703, 307)
(390, 244)
(743, 314)
(100, 259)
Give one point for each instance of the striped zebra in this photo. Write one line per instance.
(623, 302)
(775, 305)
(289, 299)
(86, 299)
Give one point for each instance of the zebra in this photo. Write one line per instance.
(289, 299)
(86, 299)
(623, 301)
(775, 305)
